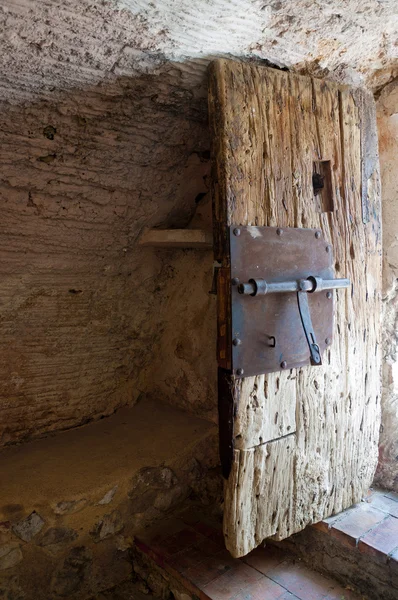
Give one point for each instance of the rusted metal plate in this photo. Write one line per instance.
(266, 331)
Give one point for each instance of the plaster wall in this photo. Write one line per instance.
(103, 132)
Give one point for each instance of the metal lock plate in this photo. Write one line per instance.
(267, 332)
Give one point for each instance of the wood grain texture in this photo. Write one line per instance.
(177, 238)
(305, 440)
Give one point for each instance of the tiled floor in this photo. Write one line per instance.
(370, 527)
(192, 551)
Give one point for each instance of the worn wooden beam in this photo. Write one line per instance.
(177, 238)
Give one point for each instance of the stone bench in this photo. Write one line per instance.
(70, 503)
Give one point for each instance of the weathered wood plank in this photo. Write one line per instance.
(269, 127)
(247, 518)
(266, 411)
(177, 238)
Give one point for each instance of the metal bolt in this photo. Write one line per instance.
(328, 295)
(318, 234)
(236, 342)
(279, 231)
(239, 372)
(283, 364)
(303, 285)
(237, 231)
(327, 248)
(328, 341)
(235, 281)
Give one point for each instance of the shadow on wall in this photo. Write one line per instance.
(89, 321)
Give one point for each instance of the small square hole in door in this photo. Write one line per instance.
(323, 185)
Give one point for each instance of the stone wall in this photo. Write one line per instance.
(387, 473)
(103, 131)
(84, 310)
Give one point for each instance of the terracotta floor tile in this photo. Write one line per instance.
(162, 530)
(218, 538)
(300, 581)
(394, 554)
(169, 546)
(329, 521)
(212, 532)
(232, 586)
(264, 559)
(190, 516)
(357, 523)
(326, 524)
(194, 555)
(392, 495)
(211, 568)
(382, 540)
(384, 503)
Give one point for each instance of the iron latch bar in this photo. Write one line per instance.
(256, 287)
(305, 315)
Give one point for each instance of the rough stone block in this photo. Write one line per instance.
(73, 571)
(10, 555)
(56, 538)
(68, 507)
(107, 499)
(29, 527)
(109, 525)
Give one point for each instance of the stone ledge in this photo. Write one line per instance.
(71, 503)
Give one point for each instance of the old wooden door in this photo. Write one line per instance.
(303, 441)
